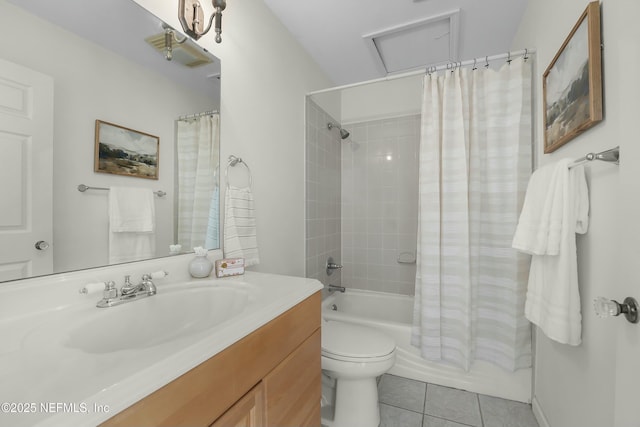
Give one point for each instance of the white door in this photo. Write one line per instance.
(26, 171)
(625, 56)
(627, 367)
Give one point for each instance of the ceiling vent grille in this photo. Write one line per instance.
(416, 44)
(182, 53)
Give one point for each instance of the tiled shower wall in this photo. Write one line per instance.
(380, 204)
(322, 194)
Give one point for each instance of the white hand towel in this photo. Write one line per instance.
(131, 224)
(553, 299)
(540, 223)
(131, 209)
(240, 240)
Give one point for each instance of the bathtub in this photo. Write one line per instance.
(392, 314)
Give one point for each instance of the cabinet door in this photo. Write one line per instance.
(247, 412)
(293, 389)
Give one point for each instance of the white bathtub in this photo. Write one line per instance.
(392, 314)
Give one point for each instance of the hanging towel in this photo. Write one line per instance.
(212, 240)
(540, 223)
(557, 197)
(240, 239)
(131, 224)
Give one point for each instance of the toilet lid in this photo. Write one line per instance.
(354, 341)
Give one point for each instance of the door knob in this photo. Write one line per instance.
(41, 245)
(609, 308)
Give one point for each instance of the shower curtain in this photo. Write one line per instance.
(198, 199)
(475, 161)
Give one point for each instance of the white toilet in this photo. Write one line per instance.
(354, 356)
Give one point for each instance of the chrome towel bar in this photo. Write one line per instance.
(610, 156)
(82, 188)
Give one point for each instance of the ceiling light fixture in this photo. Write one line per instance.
(191, 17)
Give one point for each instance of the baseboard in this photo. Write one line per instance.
(538, 413)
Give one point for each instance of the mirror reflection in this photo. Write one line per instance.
(77, 65)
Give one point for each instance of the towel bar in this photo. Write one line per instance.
(610, 156)
(82, 188)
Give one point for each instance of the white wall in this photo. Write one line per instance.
(265, 76)
(574, 386)
(381, 100)
(93, 83)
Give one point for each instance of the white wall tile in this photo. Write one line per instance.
(382, 195)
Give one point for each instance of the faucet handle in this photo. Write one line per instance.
(110, 290)
(330, 266)
(160, 274)
(148, 284)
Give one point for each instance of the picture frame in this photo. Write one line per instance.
(572, 83)
(123, 151)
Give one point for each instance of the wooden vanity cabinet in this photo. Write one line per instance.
(246, 412)
(271, 377)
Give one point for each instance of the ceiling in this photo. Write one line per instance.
(122, 27)
(408, 34)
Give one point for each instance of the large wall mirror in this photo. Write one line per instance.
(64, 65)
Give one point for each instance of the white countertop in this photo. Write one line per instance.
(43, 382)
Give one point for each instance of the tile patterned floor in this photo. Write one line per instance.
(410, 403)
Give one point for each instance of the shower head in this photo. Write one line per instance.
(344, 134)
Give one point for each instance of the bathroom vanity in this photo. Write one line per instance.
(242, 350)
(269, 378)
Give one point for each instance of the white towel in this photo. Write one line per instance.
(540, 223)
(240, 240)
(561, 204)
(131, 224)
(212, 239)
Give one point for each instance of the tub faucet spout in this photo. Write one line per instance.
(332, 288)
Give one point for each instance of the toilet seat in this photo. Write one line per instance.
(355, 343)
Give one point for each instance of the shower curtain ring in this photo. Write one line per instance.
(509, 58)
(526, 51)
(474, 65)
(486, 62)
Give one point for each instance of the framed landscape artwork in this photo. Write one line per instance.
(572, 83)
(124, 151)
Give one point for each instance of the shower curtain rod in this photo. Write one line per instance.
(477, 61)
(193, 116)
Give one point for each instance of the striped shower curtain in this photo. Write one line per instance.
(198, 197)
(475, 161)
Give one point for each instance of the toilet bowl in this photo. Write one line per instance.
(354, 356)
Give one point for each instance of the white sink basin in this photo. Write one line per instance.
(157, 319)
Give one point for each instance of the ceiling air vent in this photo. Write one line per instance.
(184, 53)
(416, 44)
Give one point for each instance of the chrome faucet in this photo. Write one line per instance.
(146, 285)
(129, 292)
(332, 288)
